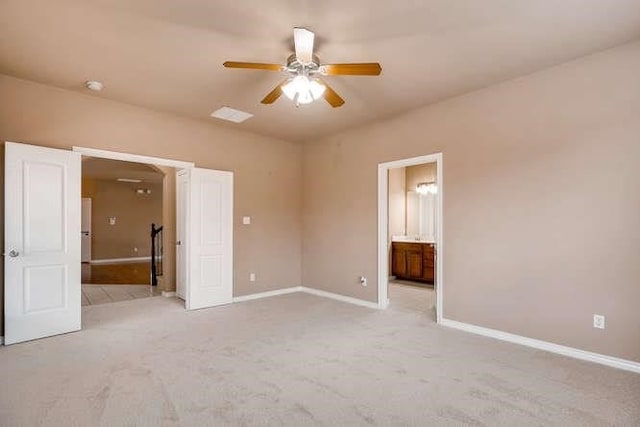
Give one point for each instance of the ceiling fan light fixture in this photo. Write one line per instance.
(304, 71)
(303, 90)
(316, 88)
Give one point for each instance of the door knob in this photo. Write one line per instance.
(178, 243)
(13, 253)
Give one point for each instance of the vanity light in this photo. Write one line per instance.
(427, 188)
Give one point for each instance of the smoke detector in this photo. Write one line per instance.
(94, 85)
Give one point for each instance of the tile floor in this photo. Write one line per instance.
(103, 294)
(406, 296)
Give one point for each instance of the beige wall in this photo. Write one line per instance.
(134, 214)
(397, 202)
(267, 172)
(541, 202)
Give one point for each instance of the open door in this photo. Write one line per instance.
(85, 230)
(182, 192)
(208, 247)
(42, 242)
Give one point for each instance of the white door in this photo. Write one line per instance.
(182, 189)
(42, 242)
(210, 238)
(85, 230)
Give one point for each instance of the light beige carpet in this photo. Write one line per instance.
(298, 360)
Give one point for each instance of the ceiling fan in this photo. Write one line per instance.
(304, 83)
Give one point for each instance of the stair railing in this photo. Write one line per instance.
(157, 250)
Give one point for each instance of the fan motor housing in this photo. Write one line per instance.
(296, 67)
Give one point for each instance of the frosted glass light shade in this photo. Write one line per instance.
(303, 90)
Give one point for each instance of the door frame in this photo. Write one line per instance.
(137, 158)
(383, 228)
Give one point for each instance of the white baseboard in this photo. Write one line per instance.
(267, 294)
(339, 297)
(602, 359)
(120, 260)
(311, 291)
(168, 294)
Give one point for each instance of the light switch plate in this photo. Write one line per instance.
(246, 220)
(112, 220)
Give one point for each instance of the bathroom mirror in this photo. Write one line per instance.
(421, 215)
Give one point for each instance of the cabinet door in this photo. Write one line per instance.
(428, 263)
(398, 261)
(414, 263)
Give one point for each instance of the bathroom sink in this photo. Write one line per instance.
(409, 239)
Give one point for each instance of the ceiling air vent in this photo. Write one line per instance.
(231, 115)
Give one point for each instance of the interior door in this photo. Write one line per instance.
(209, 228)
(182, 190)
(42, 242)
(85, 230)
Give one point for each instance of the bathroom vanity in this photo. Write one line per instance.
(413, 261)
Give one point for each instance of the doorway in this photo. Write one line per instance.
(200, 234)
(121, 202)
(410, 233)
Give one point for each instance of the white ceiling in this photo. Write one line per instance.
(168, 54)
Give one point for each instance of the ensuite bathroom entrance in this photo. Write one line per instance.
(410, 233)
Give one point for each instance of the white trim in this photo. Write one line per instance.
(267, 294)
(383, 226)
(602, 359)
(339, 297)
(121, 260)
(168, 294)
(306, 290)
(114, 155)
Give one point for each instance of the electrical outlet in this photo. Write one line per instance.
(252, 277)
(363, 281)
(598, 321)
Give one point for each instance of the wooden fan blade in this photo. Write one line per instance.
(273, 95)
(331, 96)
(362, 69)
(253, 66)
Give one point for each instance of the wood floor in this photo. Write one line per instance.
(117, 274)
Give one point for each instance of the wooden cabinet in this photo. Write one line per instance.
(428, 262)
(413, 261)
